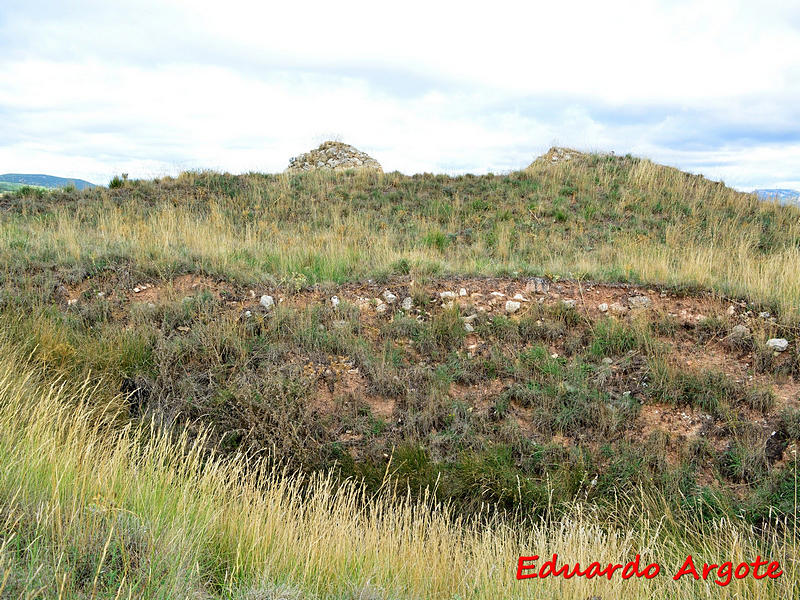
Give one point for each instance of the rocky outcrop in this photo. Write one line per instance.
(333, 156)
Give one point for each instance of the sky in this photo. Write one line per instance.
(92, 89)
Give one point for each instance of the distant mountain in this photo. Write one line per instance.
(48, 181)
(781, 195)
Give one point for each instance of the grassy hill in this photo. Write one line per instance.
(44, 181)
(391, 422)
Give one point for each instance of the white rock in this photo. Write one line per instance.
(389, 297)
(608, 361)
(447, 295)
(520, 298)
(381, 308)
(569, 303)
(469, 318)
(72, 302)
(407, 303)
(267, 301)
(731, 310)
(778, 344)
(136, 290)
(468, 328)
(512, 306)
(639, 302)
(462, 292)
(602, 307)
(335, 301)
(248, 314)
(764, 315)
(101, 294)
(498, 294)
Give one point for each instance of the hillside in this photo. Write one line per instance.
(266, 385)
(45, 181)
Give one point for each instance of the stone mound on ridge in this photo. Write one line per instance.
(557, 155)
(333, 156)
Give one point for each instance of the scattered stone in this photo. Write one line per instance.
(608, 361)
(520, 298)
(267, 301)
(462, 292)
(101, 294)
(617, 308)
(333, 156)
(764, 315)
(335, 301)
(512, 306)
(602, 307)
(639, 302)
(778, 344)
(469, 318)
(731, 310)
(498, 294)
(447, 295)
(407, 303)
(381, 308)
(389, 297)
(569, 303)
(72, 301)
(537, 285)
(468, 328)
(136, 290)
(248, 314)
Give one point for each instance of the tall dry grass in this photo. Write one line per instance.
(92, 509)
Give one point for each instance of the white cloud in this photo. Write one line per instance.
(151, 88)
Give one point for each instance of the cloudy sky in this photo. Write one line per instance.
(90, 89)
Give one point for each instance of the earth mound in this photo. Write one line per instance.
(333, 156)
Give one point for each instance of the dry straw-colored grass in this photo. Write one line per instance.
(90, 509)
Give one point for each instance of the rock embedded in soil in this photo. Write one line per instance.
(389, 297)
(267, 301)
(407, 304)
(603, 307)
(537, 285)
(639, 302)
(778, 344)
(512, 306)
(617, 308)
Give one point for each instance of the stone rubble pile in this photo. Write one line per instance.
(333, 156)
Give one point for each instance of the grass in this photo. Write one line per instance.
(616, 218)
(95, 510)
